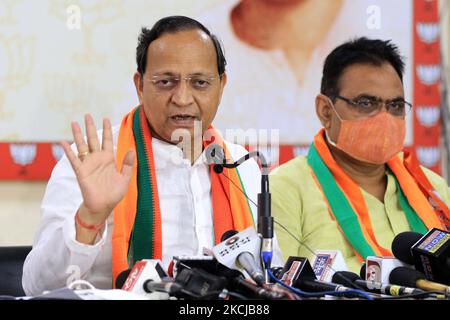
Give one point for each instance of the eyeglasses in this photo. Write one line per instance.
(369, 105)
(198, 82)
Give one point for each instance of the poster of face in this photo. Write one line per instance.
(53, 68)
(276, 50)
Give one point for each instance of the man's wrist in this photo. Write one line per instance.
(83, 224)
(89, 218)
(86, 228)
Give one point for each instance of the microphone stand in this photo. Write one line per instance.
(265, 219)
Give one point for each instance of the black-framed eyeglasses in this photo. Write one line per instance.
(370, 105)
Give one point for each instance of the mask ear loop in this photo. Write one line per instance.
(339, 117)
(329, 140)
(332, 107)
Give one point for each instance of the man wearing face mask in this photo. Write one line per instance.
(356, 189)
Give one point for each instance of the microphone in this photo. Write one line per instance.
(327, 262)
(379, 268)
(298, 273)
(235, 278)
(346, 278)
(353, 280)
(228, 234)
(402, 243)
(216, 155)
(198, 283)
(165, 285)
(430, 253)
(412, 278)
(239, 251)
(206, 263)
(362, 272)
(121, 278)
(142, 272)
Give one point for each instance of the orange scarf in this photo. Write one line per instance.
(408, 174)
(231, 209)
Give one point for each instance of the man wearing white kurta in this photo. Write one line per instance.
(180, 79)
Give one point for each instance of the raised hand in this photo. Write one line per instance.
(102, 185)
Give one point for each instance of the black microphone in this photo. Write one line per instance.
(353, 280)
(235, 279)
(121, 278)
(402, 243)
(362, 272)
(298, 273)
(346, 278)
(228, 234)
(216, 155)
(408, 277)
(168, 286)
(430, 253)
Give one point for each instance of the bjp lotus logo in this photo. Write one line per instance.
(428, 156)
(57, 151)
(300, 151)
(427, 32)
(428, 74)
(69, 92)
(16, 64)
(23, 154)
(6, 8)
(428, 116)
(92, 13)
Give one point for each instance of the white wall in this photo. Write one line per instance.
(19, 211)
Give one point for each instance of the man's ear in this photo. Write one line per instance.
(324, 110)
(223, 82)
(139, 84)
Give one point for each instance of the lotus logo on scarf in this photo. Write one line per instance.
(428, 156)
(428, 74)
(428, 32)
(428, 116)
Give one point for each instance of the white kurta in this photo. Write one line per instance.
(186, 212)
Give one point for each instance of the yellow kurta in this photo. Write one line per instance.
(298, 204)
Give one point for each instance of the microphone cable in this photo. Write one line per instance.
(359, 290)
(269, 272)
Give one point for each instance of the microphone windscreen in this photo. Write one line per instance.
(402, 243)
(228, 234)
(121, 278)
(362, 272)
(218, 168)
(345, 278)
(404, 276)
(214, 154)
